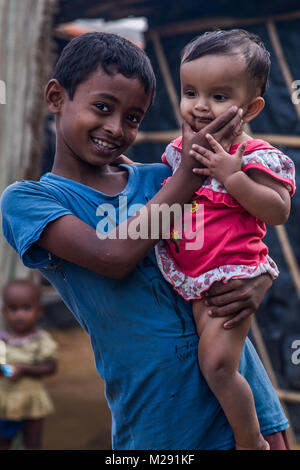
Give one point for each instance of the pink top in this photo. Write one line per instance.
(218, 239)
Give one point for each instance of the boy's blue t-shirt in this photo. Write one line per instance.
(142, 332)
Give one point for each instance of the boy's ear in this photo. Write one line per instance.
(253, 109)
(54, 96)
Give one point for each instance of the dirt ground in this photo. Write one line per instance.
(82, 419)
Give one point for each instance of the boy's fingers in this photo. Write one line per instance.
(232, 309)
(221, 121)
(187, 130)
(219, 288)
(232, 128)
(236, 320)
(201, 171)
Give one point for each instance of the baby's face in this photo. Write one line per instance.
(21, 308)
(210, 85)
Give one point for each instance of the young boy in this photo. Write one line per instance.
(143, 334)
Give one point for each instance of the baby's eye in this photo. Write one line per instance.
(12, 308)
(27, 307)
(220, 97)
(134, 118)
(190, 93)
(102, 107)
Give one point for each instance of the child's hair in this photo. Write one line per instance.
(114, 54)
(235, 41)
(23, 282)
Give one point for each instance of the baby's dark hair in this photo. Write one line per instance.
(232, 42)
(114, 54)
(23, 282)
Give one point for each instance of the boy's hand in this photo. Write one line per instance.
(224, 129)
(237, 299)
(122, 159)
(218, 163)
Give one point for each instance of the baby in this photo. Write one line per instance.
(243, 189)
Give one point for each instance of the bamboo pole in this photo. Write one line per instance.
(289, 256)
(286, 395)
(262, 350)
(272, 31)
(164, 67)
(167, 136)
(204, 24)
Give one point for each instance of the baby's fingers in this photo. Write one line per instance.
(201, 150)
(200, 158)
(214, 144)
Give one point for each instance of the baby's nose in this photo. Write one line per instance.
(202, 104)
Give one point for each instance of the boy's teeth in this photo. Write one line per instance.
(102, 143)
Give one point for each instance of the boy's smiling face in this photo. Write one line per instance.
(102, 119)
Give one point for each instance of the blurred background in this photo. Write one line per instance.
(32, 35)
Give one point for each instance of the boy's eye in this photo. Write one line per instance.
(102, 107)
(220, 97)
(134, 118)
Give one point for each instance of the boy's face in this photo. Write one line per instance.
(103, 118)
(21, 307)
(210, 85)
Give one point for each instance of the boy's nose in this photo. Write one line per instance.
(113, 126)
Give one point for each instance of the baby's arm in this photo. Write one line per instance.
(260, 194)
(38, 370)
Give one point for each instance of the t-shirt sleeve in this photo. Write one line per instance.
(275, 163)
(171, 157)
(27, 207)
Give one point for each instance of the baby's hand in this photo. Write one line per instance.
(219, 164)
(16, 373)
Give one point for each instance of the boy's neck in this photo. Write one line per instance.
(108, 179)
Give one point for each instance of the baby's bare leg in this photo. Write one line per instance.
(32, 434)
(219, 354)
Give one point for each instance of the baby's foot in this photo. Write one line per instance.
(261, 445)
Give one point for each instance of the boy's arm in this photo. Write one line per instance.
(70, 238)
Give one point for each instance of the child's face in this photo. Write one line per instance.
(21, 307)
(210, 85)
(103, 118)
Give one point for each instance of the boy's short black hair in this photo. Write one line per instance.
(113, 53)
(233, 41)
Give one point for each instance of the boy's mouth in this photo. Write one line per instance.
(103, 144)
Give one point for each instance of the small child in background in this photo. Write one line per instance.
(243, 189)
(30, 354)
